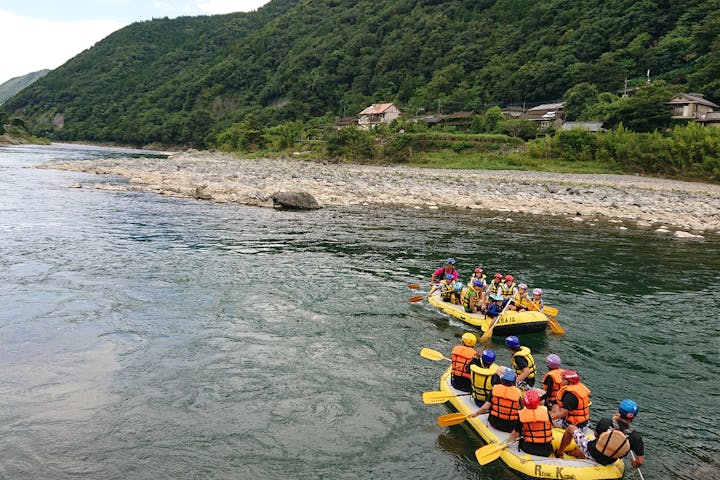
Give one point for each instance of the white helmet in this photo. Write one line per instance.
(537, 291)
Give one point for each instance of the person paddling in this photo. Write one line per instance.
(533, 429)
(522, 361)
(614, 438)
(503, 404)
(443, 271)
(573, 402)
(460, 358)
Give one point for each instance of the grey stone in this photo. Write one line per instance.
(296, 200)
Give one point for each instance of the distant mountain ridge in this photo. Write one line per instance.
(182, 81)
(15, 85)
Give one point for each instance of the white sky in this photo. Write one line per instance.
(38, 34)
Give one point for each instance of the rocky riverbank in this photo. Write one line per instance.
(684, 208)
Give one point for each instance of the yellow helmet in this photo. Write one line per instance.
(469, 339)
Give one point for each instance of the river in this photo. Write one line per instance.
(152, 337)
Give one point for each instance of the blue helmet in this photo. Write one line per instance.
(449, 276)
(512, 341)
(458, 286)
(628, 408)
(496, 297)
(508, 376)
(488, 357)
(478, 283)
(450, 261)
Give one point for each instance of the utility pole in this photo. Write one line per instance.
(625, 89)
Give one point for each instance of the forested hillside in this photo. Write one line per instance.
(14, 85)
(182, 81)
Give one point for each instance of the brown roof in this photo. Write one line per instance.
(376, 108)
(681, 98)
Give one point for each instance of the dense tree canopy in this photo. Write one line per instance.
(183, 81)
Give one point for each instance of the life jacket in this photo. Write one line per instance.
(493, 287)
(519, 299)
(466, 296)
(507, 290)
(461, 356)
(539, 305)
(505, 403)
(536, 425)
(475, 276)
(614, 441)
(582, 393)
(525, 353)
(446, 289)
(556, 374)
(481, 380)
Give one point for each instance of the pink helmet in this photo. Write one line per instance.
(523, 286)
(537, 291)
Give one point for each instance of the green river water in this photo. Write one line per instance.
(147, 337)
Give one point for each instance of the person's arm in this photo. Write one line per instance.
(569, 402)
(637, 458)
(484, 409)
(523, 366)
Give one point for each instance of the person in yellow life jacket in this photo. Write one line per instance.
(533, 428)
(521, 360)
(478, 274)
(537, 299)
(473, 297)
(507, 288)
(460, 358)
(520, 299)
(504, 403)
(614, 438)
(483, 376)
(552, 380)
(573, 402)
(494, 286)
(446, 287)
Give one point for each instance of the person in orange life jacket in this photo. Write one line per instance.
(503, 404)
(473, 297)
(494, 306)
(507, 288)
(573, 402)
(460, 357)
(533, 427)
(484, 374)
(478, 274)
(552, 380)
(521, 360)
(614, 438)
(442, 272)
(519, 297)
(494, 286)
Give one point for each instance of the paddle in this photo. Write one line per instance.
(547, 309)
(433, 398)
(413, 286)
(416, 299)
(554, 325)
(431, 354)
(488, 333)
(638, 469)
(451, 419)
(488, 453)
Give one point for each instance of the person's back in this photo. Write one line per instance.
(535, 427)
(521, 360)
(460, 359)
(552, 380)
(483, 376)
(505, 403)
(573, 401)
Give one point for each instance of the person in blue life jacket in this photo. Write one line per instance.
(614, 438)
(521, 360)
(494, 306)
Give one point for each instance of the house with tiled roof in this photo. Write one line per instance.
(691, 106)
(547, 114)
(376, 114)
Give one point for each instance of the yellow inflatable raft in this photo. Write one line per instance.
(510, 322)
(531, 466)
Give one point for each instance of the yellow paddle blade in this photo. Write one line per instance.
(555, 326)
(431, 354)
(488, 453)
(451, 419)
(414, 286)
(488, 333)
(416, 299)
(548, 310)
(431, 398)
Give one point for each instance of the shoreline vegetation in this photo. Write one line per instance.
(673, 207)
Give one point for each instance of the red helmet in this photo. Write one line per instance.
(498, 275)
(571, 376)
(531, 399)
(478, 270)
(509, 278)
